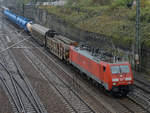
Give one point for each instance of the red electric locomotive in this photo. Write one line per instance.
(115, 77)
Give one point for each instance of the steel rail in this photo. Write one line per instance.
(11, 94)
(66, 85)
(21, 74)
(15, 88)
(25, 92)
(22, 91)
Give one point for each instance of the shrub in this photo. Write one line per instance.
(102, 2)
(145, 15)
(122, 3)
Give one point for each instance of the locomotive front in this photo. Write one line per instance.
(121, 78)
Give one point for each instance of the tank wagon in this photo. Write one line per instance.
(16, 19)
(115, 77)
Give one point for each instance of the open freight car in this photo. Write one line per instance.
(60, 46)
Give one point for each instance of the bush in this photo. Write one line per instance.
(128, 41)
(145, 15)
(102, 2)
(83, 3)
(118, 23)
(122, 3)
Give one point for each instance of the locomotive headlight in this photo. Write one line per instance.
(127, 79)
(114, 83)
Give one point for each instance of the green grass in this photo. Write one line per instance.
(114, 20)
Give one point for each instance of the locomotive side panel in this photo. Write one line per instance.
(88, 66)
(105, 75)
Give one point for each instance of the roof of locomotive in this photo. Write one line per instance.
(87, 54)
(41, 29)
(98, 58)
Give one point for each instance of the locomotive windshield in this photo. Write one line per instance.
(120, 69)
(115, 69)
(124, 69)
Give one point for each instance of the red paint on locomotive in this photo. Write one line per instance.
(108, 74)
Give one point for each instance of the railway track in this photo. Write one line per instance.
(18, 95)
(126, 103)
(142, 85)
(141, 98)
(20, 92)
(130, 104)
(72, 99)
(141, 94)
(16, 85)
(68, 95)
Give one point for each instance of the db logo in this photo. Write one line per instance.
(121, 79)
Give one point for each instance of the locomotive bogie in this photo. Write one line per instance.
(121, 91)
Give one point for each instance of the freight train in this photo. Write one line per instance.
(115, 77)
